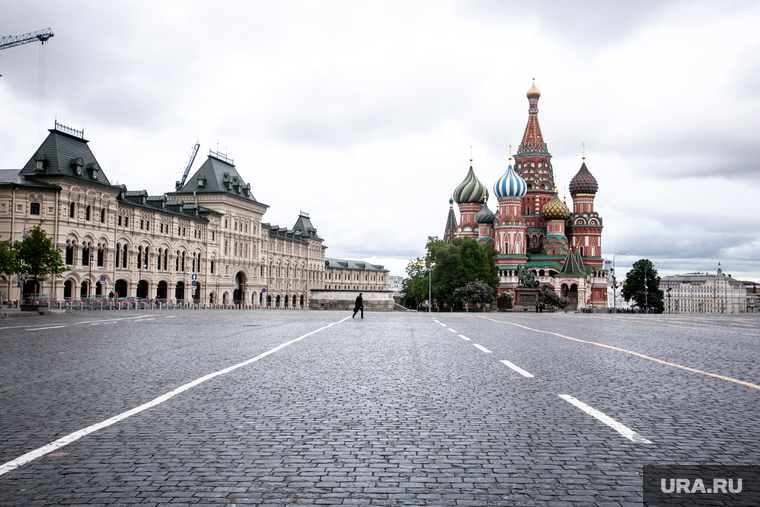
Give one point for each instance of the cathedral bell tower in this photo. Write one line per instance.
(533, 164)
(585, 225)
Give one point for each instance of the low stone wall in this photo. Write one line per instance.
(333, 299)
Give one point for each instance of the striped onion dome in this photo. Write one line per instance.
(555, 209)
(471, 190)
(485, 215)
(583, 182)
(510, 185)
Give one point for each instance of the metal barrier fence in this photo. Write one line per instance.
(148, 305)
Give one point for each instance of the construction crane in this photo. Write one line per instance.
(178, 185)
(11, 41)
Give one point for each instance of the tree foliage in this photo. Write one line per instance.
(41, 259)
(550, 298)
(456, 264)
(642, 285)
(474, 292)
(8, 264)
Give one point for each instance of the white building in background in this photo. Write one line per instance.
(394, 283)
(704, 293)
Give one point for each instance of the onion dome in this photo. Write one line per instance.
(533, 93)
(510, 184)
(471, 190)
(485, 215)
(555, 209)
(583, 182)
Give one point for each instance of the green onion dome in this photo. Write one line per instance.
(583, 182)
(485, 215)
(471, 190)
(555, 209)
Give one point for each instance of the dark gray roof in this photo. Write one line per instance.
(62, 153)
(305, 228)
(349, 264)
(218, 176)
(12, 177)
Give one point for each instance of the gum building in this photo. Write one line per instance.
(205, 242)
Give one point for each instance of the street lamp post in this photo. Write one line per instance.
(614, 281)
(430, 286)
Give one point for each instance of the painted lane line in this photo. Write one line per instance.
(481, 347)
(516, 368)
(654, 359)
(609, 421)
(464, 337)
(172, 316)
(444, 325)
(72, 437)
(109, 320)
(41, 328)
(451, 330)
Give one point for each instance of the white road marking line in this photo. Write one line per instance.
(172, 316)
(609, 421)
(41, 328)
(145, 320)
(72, 437)
(95, 324)
(109, 320)
(451, 330)
(516, 368)
(464, 337)
(481, 347)
(444, 325)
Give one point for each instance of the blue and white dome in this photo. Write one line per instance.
(510, 185)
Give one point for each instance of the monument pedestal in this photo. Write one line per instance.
(525, 299)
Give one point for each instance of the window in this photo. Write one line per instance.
(72, 210)
(183, 261)
(147, 225)
(126, 221)
(166, 256)
(142, 223)
(70, 255)
(176, 262)
(102, 216)
(118, 254)
(139, 257)
(119, 220)
(85, 256)
(145, 260)
(124, 256)
(100, 257)
(158, 266)
(183, 231)
(161, 228)
(212, 267)
(212, 235)
(87, 212)
(34, 208)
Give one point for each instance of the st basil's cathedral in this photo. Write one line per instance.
(532, 226)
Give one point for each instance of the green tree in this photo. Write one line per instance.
(642, 285)
(9, 266)
(475, 292)
(41, 260)
(456, 264)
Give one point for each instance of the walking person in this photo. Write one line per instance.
(359, 305)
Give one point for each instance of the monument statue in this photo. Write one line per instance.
(525, 278)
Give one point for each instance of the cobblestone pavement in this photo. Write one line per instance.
(394, 409)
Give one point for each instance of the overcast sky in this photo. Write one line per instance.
(363, 113)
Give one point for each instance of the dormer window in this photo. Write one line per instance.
(94, 169)
(40, 162)
(201, 182)
(77, 164)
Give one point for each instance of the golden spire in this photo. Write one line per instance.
(533, 93)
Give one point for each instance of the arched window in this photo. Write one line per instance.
(100, 257)
(212, 267)
(70, 255)
(183, 261)
(103, 216)
(176, 262)
(118, 254)
(145, 260)
(86, 256)
(166, 256)
(139, 257)
(87, 212)
(124, 256)
(193, 263)
(72, 210)
(158, 266)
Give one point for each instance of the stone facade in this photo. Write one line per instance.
(704, 293)
(132, 244)
(374, 300)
